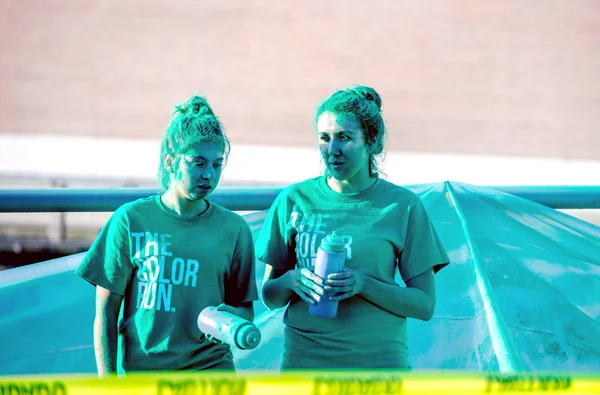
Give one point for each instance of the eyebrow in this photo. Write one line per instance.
(340, 131)
(346, 131)
(196, 158)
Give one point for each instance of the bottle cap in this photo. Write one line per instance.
(248, 337)
(333, 243)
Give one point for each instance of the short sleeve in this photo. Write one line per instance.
(423, 248)
(274, 245)
(108, 261)
(240, 286)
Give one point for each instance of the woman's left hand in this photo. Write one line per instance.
(228, 309)
(345, 284)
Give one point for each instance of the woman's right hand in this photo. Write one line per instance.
(307, 285)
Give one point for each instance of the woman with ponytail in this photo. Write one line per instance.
(166, 257)
(385, 229)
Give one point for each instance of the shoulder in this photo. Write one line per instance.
(139, 206)
(301, 187)
(298, 190)
(228, 218)
(398, 194)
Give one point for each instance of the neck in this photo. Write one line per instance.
(183, 207)
(358, 183)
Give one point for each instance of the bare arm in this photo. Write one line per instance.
(416, 300)
(276, 290)
(280, 286)
(108, 305)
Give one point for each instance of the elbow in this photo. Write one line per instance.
(270, 306)
(268, 302)
(269, 297)
(104, 322)
(102, 318)
(427, 312)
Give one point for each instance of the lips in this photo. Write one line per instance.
(205, 187)
(336, 164)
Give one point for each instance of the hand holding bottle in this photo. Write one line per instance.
(226, 327)
(221, 307)
(330, 260)
(344, 284)
(307, 285)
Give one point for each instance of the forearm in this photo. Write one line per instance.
(245, 311)
(397, 300)
(105, 344)
(276, 292)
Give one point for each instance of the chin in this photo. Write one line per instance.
(340, 175)
(194, 196)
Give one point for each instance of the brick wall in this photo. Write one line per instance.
(496, 77)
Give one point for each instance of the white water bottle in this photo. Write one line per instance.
(229, 328)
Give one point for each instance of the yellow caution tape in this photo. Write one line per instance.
(315, 383)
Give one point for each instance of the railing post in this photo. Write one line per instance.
(56, 232)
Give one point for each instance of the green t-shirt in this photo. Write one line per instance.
(385, 228)
(168, 269)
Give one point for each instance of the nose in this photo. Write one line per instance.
(207, 173)
(334, 147)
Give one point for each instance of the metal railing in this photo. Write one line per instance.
(109, 199)
(244, 198)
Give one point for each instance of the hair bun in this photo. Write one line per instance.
(195, 105)
(199, 105)
(368, 93)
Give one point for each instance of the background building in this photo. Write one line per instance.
(495, 92)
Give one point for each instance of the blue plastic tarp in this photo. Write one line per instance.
(522, 293)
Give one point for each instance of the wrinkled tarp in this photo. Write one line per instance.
(522, 293)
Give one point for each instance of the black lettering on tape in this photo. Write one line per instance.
(499, 383)
(216, 386)
(357, 386)
(33, 388)
(175, 387)
(224, 386)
